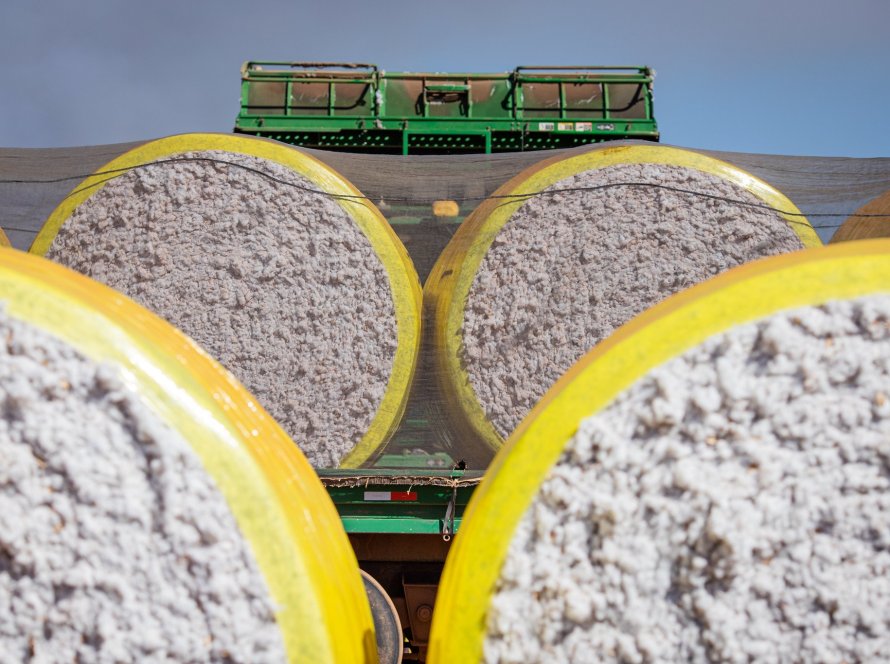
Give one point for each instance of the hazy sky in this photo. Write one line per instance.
(776, 76)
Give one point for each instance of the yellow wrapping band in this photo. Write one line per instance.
(403, 280)
(445, 209)
(742, 295)
(865, 228)
(448, 287)
(280, 506)
(4, 241)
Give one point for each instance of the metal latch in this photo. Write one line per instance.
(448, 522)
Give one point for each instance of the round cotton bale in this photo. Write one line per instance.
(571, 249)
(148, 509)
(861, 226)
(708, 484)
(274, 264)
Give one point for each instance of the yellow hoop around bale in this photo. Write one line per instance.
(448, 286)
(403, 280)
(277, 500)
(741, 295)
(860, 226)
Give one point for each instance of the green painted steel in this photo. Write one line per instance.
(371, 504)
(358, 108)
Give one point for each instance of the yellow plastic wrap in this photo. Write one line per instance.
(742, 295)
(4, 241)
(278, 502)
(448, 286)
(864, 227)
(403, 280)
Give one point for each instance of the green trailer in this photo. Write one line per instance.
(360, 108)
(402, 512)
(400, 523)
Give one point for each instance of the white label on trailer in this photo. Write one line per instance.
(545, 126)
(378, 495)
(583, 126)
(566, 126)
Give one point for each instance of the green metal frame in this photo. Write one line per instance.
(357, 107)
(435, 502)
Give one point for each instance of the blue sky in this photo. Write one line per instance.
(783, 77)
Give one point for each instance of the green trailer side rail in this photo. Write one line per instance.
(395, 502)
(359, 108)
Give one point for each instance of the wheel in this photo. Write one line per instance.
(387, 626)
